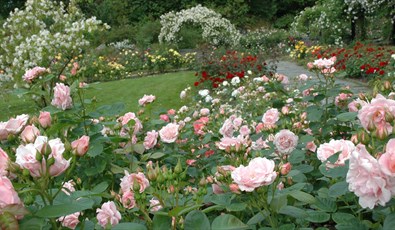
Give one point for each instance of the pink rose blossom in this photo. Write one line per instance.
(355, 105)
(311, 146)
(204, 112)
(285, 141)
(171, 112)
(373, 115)
(367, 181)
(244, 130)
(108, 214)
(34, 73)
(138, 126)
(190, 162)
(80, 146)
(44, 119)
(26, 159)
(146, 99)
(199, 125)
(128, 180)
(270, 118)
(154, 205)
(227, 128)
(68, 187)
(326, 150)
(15, 125)
(310, 65)
(227, 143)
(303, 77)
(60, 165)
(62, 98)
(387, 160)
(62, 77)
(70, 221)
(151, 139)
(164, 117)
(8, 194)
(3, 162)
(128, 200)
(29, 134)
(259, 172)
(217, 189)
(285, 168)
(169, 133)
(259, 144)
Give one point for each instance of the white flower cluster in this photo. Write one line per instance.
(216, 30)
(370, 6)
(35, 35)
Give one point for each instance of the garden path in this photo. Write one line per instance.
(291, 70)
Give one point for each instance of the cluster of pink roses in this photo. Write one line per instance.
(32, 74)
(324, 65)
(130, 184)
(13, 126)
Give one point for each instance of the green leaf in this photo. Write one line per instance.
(257, 218)
(297, 156)
(389, 222)
(317, 216)
(128, 226)
(100, 187)
(161, 222)
(139, 148)
(353, 224)
(314, 113)
(342, 217)
(338, 189)
(32, 224)
(196, 220)
(99, 167)
(325, 204)
(348, 116)
(278, 202)
(95, 149)
(156, 155)
(207, 138)
(228, 222)
(302, 196)
(293, 211)
(221, 199)
(287, 227)
(306, 138)
(340, 171)
(236, 207)
(52, 211)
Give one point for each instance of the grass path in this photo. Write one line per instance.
(166, 88)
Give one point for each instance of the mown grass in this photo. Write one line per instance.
(166, 88)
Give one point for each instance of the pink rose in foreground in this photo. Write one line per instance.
(26, 159)
(62, 98)
(128, 200)
(108, 214)
(138, 126)
(70, 221)
(326, 150)
(60, 165)
(3, 162)
(80, 146)
(155, 205)
(285, 141)
(44, 119)
(15, 125)
(128, 180)
(270, 118)
(367, 181)
(356, 105)
(259, 172)
(146, 99)
(169, 133)
(8, 193)
(29, 134)
(373, 115)
(32, 74)
(387, 160)
(151, 139)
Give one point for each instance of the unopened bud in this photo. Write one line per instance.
(387, 85)
(178, 168)
(202, 182)
(51, 161)
(285, 168)
(39, 157)
(362, 96)
(389, 117)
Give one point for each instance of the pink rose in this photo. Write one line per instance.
(228, 143)
(62, 98)
(128, 180)
(108, 214)
(326, 150)
(303, 77)
(30, 133)
(80, 146)
(259, 172)
(44, 119)
(259, 144)
(15, 125)
(367, 181)
(26, 159)
(199, 125)
(138, 126)
(32, 74)
(227, 128)
(373, 115)
(244, 130)
(146, 99)
(285, 141)
(190, 162)
(169, 133)
(355, 105)
(204, 112)
(217, 189)
(310, 65)
(68, 187)
(8, 193)
(154, 205)
(171, 112)
(70, 221)
(387, 160)
(164, 117)
(151, 139)
(3, 131)
(60, 165)
(285, 168)
(270, 118)
(3, 162)
(128, 200)
(311, 146)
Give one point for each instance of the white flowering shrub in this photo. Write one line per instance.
(216, 29)
(33, 36)
(369, 6)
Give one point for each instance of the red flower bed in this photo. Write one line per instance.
(360, 61)
(219, 66)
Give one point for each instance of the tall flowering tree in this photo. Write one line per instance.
(216, 30)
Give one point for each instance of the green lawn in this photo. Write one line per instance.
(166, 88)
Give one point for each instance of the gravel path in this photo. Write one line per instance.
(291, 70)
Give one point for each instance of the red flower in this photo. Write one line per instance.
(382, 72)
(196, 83)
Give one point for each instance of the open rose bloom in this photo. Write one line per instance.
(62, 98)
